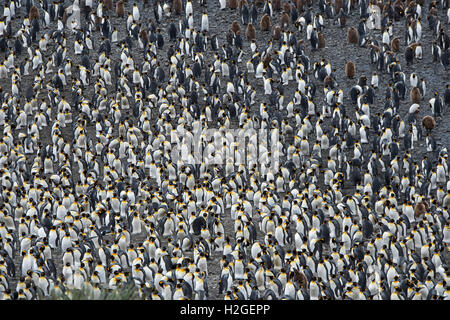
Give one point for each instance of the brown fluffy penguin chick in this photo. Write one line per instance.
(120, 8)
(143, 34)
(232, 4)
(276, 5)
(414, 45)
(34, 13)
(433, 12)
(415, 95)
(420, 209)
(97, 21)
(109, 4)
(276, 32)
(299, 278)
(266, 61)
(235, 27)
(350, 69)
(241, 3)
(177, 6)
(328, 82)
(287, 7)
(338, 4)
(284, 20)
(342, 19)
(250, 32)
(264, 25)
(352, 35)
(300, 5)
(428, 123)
(395, 45)
(321, 39)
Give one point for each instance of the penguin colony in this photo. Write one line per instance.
(358, 207)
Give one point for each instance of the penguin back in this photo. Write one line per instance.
(409, 55)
